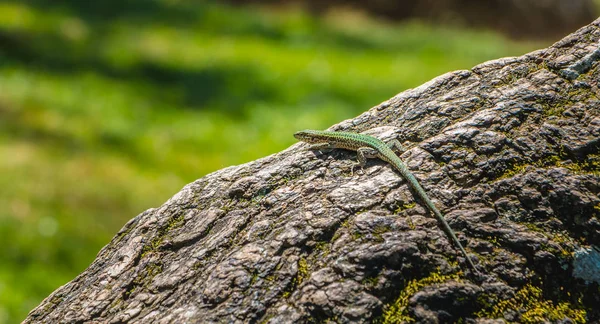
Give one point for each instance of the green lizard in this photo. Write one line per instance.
(367, 146)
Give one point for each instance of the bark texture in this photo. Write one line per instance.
(510, 153)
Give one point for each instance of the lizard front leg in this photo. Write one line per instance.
(362, 154)
(321, 147)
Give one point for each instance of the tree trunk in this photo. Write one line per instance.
(509, 151)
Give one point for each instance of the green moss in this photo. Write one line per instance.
(519, 73)
(356, 235)
(257, 199)
(569, 96)
(512, 171)
(410, 223)
(381, 228)
(144, 278)
(562, 247)
(125, 233)
(589, 165)
(301, 275)
(554, 109)
(323, 247)
(493, 240)
(116, 305)
(565, 245)
(277, 182)
(228, 206)
(370, 281)
(266, 318)
(174, 223)
(338, 233)
(397, 312)
(533, 227)
(159, 237)
(531, 306)
(54, 301)
(152, 246)
(130, 291)
(302, 271)
(453, 264)
(404, 207)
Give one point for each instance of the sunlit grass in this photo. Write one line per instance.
(101, 119)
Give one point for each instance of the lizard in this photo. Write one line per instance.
(367, 146)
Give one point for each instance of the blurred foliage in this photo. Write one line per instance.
(520, 19)
(109, 107)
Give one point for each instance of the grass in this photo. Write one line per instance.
(109, 108)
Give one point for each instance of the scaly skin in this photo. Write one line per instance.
(368, 146)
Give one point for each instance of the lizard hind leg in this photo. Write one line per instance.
(395, 146)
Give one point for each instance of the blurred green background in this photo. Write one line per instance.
(108, 108)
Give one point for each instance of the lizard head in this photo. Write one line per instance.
(309, 136)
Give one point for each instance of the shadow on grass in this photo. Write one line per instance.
(199, 88)
(226, 88)
(224, 18)
(103, 12)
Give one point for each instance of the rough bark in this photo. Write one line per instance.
(510, 153)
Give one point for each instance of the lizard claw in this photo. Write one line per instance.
(354, 166)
